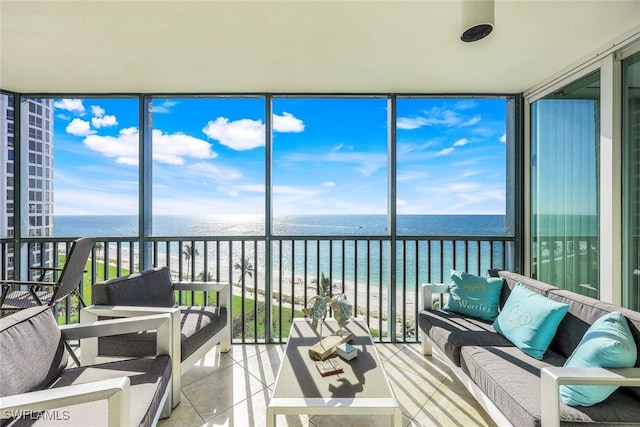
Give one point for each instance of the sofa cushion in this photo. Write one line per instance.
(32, 354)
(608, 343)
(474, 295)
(151, 288)
(529, 320)
(149, 380)
(198, 325)
(451, 331)
(511, 380)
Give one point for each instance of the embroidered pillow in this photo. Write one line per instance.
(474, 296)
(529, 320)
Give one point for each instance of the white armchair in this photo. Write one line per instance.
(31, 343)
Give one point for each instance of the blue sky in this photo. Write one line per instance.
(330, 156)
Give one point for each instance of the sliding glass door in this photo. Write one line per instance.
(565, 133)
(631, 181)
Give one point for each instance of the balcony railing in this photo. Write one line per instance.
(274, 279)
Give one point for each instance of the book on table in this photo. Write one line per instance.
(329, 367)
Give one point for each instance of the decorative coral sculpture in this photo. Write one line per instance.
(318, 310)
(342, 310)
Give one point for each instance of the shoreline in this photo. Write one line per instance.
(291, 288)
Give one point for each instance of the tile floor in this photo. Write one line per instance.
(233, 390)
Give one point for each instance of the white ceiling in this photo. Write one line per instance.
(363, 46)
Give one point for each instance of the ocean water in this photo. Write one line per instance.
(292, 225)
(345, 257)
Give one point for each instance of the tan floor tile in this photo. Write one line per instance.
(412, 389)
(240, 352)
(216, 393)
(446, 409)
(265, 364)
(212, 362)
(252, 412)
(354, 421)
(184, 415)
(387, 351)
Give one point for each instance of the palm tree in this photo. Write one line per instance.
(99, 248)
(325, 287)
(189, 252)
(245, 267)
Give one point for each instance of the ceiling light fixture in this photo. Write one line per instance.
(476, 19)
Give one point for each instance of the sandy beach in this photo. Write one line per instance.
(288, 285)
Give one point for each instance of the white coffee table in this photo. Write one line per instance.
(362, 389)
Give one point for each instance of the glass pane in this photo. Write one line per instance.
(565, 135)
(631, 182)
(208, 166)
(91, 162)
(7, 135)
(330, 166)
(451, 173)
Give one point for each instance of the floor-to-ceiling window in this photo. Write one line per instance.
(565, 134)
(93, 169)
(631, 181)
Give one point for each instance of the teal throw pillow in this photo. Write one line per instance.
(474, 296)
(529, 320)
(608, 343)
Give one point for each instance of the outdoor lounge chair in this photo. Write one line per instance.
(152, 291)
(68, 283)
(37, 388)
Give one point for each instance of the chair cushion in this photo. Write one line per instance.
(608, 343)
(511, 380)
(451, 331)
(198, 325)
(530, 320)
(149, 380)
(32, 354)
(150, 288)
(474, 296)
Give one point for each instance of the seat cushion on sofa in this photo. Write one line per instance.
(511, 380)
(149, 288)
(32, 353)
(149, 380)
(198, 325)
(450, 331)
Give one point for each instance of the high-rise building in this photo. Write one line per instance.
(36, 129)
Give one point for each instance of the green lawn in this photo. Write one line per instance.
(197, 298)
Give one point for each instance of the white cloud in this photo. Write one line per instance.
(400, 202)
(243, 134)
(329, 184)
(461, 142)
(79, 127)
(247, 134)
(503, 138)
(437, 117)
(97, 111)
(445, 151)
(287, 123)
(167, 148)
(104, 121)
(411, 122)
(472, 121)
(165, 107)
(73, 105)
(411, 175)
